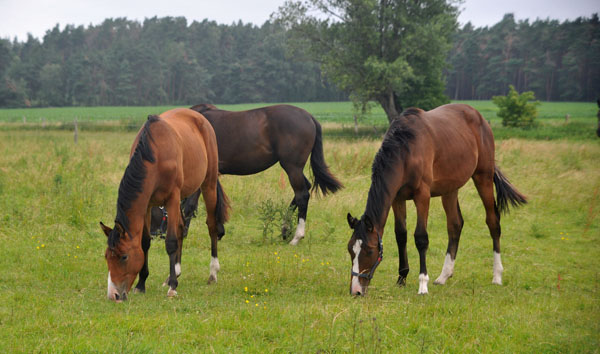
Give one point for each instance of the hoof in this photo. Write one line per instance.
(139, 290)
(401, 281)
(211, 280)
(171, 292)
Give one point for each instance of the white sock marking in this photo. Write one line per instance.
(299, 235)
(177, 269)
(498, 269)
(214, 267)
(423, 280)
(356, 287)
(447, 270)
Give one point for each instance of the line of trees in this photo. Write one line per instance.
(557, 61)
(168, 61)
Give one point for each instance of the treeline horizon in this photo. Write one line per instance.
(166, 61)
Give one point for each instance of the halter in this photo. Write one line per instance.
(369, 275)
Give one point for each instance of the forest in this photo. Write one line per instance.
(167, 60)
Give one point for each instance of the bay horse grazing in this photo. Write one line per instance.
(424, 155)
(252, 141)
(173, 155)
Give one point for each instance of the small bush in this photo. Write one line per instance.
(273, 214)
(517, 110)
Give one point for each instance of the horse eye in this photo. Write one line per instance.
(124, 258)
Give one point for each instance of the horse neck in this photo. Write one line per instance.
(381, 196)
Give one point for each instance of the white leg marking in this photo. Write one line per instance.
(299, 232)
(177, 269)
(214, 269)
(172, 292)
(447, 270)
(498, 269)
(423, 280)
(356, 288)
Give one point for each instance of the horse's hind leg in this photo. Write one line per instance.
(454, 224)
(485, 186)
(301, 188)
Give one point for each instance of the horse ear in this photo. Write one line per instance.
(105, 228)
(351, 221)
(368, 224)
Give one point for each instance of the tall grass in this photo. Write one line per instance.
(272, 297)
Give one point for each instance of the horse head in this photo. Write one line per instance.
(203, 107)
(124, 258)
(366, 252)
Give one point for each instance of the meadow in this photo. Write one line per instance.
(272, 297)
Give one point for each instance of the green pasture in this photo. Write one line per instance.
(339, 117)
(272, 297)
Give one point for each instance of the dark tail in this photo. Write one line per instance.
(222, 208)
(324, 180)
(506, 193)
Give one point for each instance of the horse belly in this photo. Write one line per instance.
(453, 173)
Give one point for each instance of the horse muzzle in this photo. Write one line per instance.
(115, 293)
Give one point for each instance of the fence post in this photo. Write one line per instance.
(76, 131)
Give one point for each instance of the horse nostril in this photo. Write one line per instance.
(116, 296)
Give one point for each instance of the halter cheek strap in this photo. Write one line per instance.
(369, 275)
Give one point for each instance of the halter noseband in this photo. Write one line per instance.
(369, 275)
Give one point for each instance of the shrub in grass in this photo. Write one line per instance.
(517, 110)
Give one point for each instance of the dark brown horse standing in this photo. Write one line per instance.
(424, 155)
(173, 156)
(252, 141)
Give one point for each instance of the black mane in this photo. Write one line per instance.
(133, 180)
(395, 147)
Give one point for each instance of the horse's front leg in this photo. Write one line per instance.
(173, 242)
(141, 285)
(421, 200)
(399, 207)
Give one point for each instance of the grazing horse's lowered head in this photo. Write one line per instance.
(124, 258)
(203, 107)
(364, 254)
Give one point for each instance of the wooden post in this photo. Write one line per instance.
(43, 122)
(355, 125)
(24, 120)
(76, 131)
(567, 117)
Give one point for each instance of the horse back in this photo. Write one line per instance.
(459, 142)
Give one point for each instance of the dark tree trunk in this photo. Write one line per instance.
(391, 105)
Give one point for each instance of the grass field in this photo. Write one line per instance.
(272, 297)
(338, 117)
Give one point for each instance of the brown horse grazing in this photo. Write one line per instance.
(424, 155)
(173, 155)
(252, 141)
